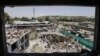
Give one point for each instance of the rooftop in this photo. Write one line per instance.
(29, 22)
(48, 33)
(12, 35)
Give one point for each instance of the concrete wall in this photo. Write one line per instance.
(19, 44)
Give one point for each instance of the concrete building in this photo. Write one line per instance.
(17, 34)
(57, 42)
(27, 24)
(17, 40)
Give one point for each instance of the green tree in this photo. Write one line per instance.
(47, 19)
(10, 21)
(25, 19)
(6, 17)
(40, 20)
(16, 18)
(91, 19)
(33, 18)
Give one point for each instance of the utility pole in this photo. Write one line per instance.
(33, 19)
(34, 12)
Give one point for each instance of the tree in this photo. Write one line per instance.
(16, 18)
(47, 19)
(24, 19)
(10, 21)
(6, 17)
(40, 20)
(32, 18)
(91, 19)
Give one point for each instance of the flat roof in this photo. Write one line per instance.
(29, 22)
(48, 33)
(12, 35)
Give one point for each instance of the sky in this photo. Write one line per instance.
(27, 11)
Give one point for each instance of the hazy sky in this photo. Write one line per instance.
(27, 11)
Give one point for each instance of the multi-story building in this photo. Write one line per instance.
(17, 40)
(27, 24)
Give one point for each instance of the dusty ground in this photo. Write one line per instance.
(32, 36)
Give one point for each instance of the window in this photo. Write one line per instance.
(27, 43)
(22, 40)
(26, 36)
(14, 46)
(22, 47)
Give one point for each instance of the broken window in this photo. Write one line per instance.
(22, 40)
(14, 46)
(22, 47)
(26, 36)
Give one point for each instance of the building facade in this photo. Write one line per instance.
(17, 43)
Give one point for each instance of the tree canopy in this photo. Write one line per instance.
(25, 19)
(7, 18)
(47, 18)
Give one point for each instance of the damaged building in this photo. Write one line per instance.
(17, 40)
